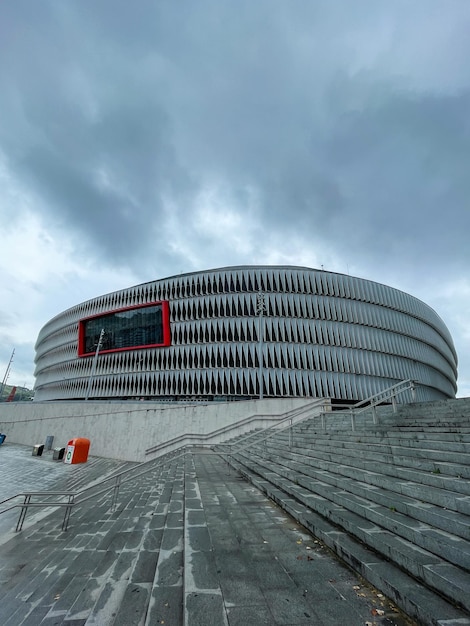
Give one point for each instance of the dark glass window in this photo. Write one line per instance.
(125, 329)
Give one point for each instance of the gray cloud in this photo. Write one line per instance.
(111, 111)
(341, 125)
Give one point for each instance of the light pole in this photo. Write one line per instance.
(260, 310)
(93, 367)
(7, 373)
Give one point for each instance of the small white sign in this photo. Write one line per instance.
(69, 454)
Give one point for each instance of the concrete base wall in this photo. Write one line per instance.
(125, 430)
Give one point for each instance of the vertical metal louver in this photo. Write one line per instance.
(323, 334)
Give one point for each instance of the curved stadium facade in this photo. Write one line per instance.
(246, 332)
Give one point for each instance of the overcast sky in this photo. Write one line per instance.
(143, 139)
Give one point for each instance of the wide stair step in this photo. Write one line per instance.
(422, 527)
(455, 464)
(448, 491)
(104, 572)
(203, 599)
(125, 594)
(166, 594)
(417, 600)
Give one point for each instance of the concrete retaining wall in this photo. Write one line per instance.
(125, 430)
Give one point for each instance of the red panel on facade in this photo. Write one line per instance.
(114, 330)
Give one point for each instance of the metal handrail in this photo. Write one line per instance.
(393, 390)
(266, 433)
(250, 440)
(27, 503)
(371, 403)
(79, 497)
(388, 394)
(74, 497)
(355, 409)
(229, 427)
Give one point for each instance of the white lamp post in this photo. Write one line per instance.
(260, 310)
(93, 367)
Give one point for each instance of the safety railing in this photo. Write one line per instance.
(112, 483)
(261, 436)
(386, 396)
(73, 499)
(28, 503)
(319, 407)
(207, 439)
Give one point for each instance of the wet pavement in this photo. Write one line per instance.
(194, 544)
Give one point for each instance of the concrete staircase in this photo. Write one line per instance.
(190, 543)
(193, 543)
(393, 499)
(110, 566)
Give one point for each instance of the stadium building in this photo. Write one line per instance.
(242, 333)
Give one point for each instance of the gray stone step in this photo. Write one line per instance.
(203, 599)
(123, 600)
(43, 566)
(429, 505)
(420, 602)
(431, 420)
(166, 597)
(448, 492)
(101, 549)
(270, 570)
(432, 570)
(425, 476)
(366, 503)
(15, 603)
(451, 414)
(457, 406)
(456, 426)
(456, 442)
(118, 548)
(430, 461)
(456, 453)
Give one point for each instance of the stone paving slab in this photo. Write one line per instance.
(21, 472)
(270, 570)
(406, 591)
(439, 543)
(251, 562)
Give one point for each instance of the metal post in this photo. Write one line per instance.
(394, 403)
(374, 414)
(290, 434)
(353, 420)
(323, 420)
(68, 511)
(117, 482)
(413, 391)
(260, 309)
(24, 510)
(93, 366)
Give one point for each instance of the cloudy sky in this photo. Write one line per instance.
(144, 139)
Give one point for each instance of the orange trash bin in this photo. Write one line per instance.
(77, 450)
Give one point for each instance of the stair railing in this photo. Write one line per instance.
(112, 483)
(262, 437)
(390, 394)
(321, 406)
(196, 439)
(72, 499)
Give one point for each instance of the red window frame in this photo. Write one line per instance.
(165, 322)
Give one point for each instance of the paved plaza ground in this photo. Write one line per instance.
(200, 546)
